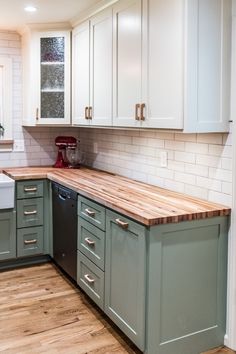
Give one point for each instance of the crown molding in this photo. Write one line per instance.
(44, 27)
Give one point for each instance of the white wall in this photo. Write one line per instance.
(198, 164)
(39, 142)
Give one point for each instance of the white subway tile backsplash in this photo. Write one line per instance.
(185, 157)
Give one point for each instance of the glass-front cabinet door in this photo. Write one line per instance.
(53, 78)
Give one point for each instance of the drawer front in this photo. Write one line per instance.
(91, 241)
(92, 212)
(29, 212)
(30, 241)
(91, 279)
(29, 189)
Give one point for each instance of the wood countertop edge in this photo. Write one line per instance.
(54, 175)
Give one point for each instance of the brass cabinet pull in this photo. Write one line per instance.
(37, 114)
(33, 212)
(86, 112)
(90, 109)
(30, 242)
(89, 279)
(142, 117)
(30, 189)
(124, 225)
(89, 212)
(137, 107)
(89, 241)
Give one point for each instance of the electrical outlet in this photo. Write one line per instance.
(19, 146)
(163, 158)
(95, 148)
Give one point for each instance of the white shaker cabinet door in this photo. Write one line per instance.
(101, 68)
(127, 61)
(165, 44)
(81, 77)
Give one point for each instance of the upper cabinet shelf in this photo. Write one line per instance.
(170, 67)
(46, 77)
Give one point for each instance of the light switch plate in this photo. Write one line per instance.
(19, 145)
(163, 159)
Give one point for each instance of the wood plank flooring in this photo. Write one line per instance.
(42, 312)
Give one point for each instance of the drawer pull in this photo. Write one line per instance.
(33, 212)
(89, 279)
(90, 212)
(31, 189)
(30, 242)
(122, 224)
(89, 242)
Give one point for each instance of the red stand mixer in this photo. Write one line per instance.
(62, 142)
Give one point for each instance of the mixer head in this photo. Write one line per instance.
(64, 141)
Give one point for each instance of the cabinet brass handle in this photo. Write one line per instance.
(89, 241)
(33, 212)
(30, 242)
(89, 279)
(122, 224)
(86, 112)
(31, 189)
(137, 107)
(142, 117)
(90, 212)
(90, 110)
(37, 114)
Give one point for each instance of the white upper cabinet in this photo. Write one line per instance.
(92, 71)
(208, 57)
(46, 76)
(127, 62)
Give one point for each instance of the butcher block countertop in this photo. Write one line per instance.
(147, 204)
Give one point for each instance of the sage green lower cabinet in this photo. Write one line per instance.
(186, 293)
(125, 281)
(7, 234)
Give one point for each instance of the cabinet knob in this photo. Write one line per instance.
(142, 107)
(137, 107)
(30, 242)
(89, 241)
(86, 113)
(89, 278)
(124, 225)
(89, 212)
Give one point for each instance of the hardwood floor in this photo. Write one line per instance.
(42, 312)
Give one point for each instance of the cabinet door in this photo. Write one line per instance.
(81, 85)
(165, 45)
(7, 235)
(125, 276)
(101, 68)
(208, 65)
(127, 61)
(54, 78)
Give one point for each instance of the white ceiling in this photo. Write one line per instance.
(13, 16)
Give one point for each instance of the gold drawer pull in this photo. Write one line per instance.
(37, 114)
(89, 242)
(89, 279)
(90, 212)
(122, 224)
(90, 110)
(31, 189)
(86, 112)
(142, 117)
(30, 242)
(33, 212)
(137, 107)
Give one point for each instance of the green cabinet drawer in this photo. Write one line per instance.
(91, 279)
(92, 212)
(91, 242)
(29, 241)
(29, 189)
(29, 212)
